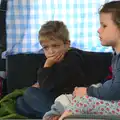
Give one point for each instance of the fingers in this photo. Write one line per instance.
(58, 57)
(54, 59)
(36, 85)
(75, 89)
(74, 92)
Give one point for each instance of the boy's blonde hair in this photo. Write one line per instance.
(53, 30)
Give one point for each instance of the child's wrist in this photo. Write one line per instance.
(47, 65)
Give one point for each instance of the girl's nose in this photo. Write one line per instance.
(98, 30)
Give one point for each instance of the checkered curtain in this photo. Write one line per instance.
(25, 17)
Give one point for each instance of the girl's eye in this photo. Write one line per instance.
(104, 26)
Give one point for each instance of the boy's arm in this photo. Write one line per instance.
(45, 72)
(63, 74)
(43, 75)
(68, 71)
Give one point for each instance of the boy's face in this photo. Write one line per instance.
(51, 47)
(108, 32)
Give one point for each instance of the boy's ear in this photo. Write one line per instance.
(68, 42)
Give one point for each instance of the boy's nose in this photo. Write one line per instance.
(51, 51)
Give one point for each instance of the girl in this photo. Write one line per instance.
(102, 98)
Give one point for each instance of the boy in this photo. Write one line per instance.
(62, 70)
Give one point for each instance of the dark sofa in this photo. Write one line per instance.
(22, 68)
(22, 72)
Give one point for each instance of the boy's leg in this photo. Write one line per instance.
(25, 110)
(39, 100)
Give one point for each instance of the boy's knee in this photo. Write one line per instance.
(30, 91)
(29, 94)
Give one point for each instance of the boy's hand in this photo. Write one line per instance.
(80, 91)
(36, 85)
(54, 59)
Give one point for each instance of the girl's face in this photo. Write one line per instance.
(109, 33)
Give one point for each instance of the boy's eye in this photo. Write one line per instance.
(45, 47)
(56, 45)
